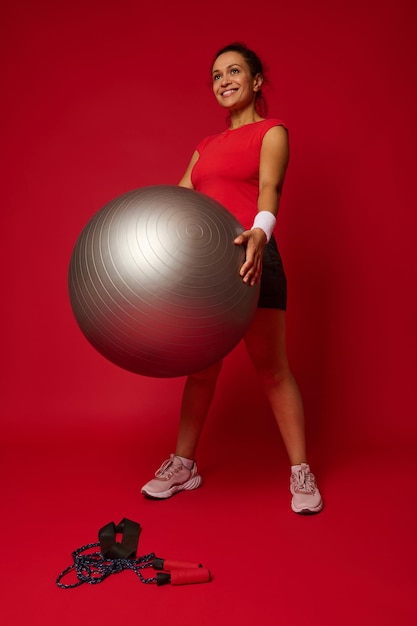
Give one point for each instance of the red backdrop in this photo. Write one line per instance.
(99, 98)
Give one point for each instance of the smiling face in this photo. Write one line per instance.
(234, 86)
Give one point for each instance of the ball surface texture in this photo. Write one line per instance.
(154, 282)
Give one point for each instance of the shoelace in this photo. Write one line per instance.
(304, 482)
(167, 469)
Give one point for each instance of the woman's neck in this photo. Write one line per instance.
(242, 118)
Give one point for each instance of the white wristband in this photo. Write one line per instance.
(266, 221)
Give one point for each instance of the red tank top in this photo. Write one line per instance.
(228, 168)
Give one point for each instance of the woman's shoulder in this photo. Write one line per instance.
(207, 140)
(270, 122)
(258, 129)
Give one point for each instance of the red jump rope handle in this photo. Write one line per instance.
(184, 576)
(168, 566)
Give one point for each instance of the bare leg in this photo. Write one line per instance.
(198, 394)
(266, 346)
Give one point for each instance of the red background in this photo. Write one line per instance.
(101, 98)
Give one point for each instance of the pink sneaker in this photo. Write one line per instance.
(306, 496)
(170, 478)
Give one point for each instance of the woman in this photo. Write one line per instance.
(244, 169)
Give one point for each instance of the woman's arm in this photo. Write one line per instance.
(272, 168)
(186, 179)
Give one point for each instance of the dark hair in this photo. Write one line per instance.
(255, 66)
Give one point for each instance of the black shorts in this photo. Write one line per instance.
(273, 294)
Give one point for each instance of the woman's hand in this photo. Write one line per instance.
(254, 241)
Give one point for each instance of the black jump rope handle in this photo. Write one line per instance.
(172, 572)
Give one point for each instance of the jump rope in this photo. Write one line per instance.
(93, 566)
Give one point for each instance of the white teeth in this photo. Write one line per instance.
(228, 92)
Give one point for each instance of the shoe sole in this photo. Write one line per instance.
(311, 511)
(191, 484)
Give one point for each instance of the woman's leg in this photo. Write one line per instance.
(265, 342)
(179, 472)
(198, 393)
